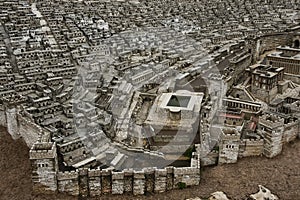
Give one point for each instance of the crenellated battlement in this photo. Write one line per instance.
(230, 134)
(128, 180)
(186, 171)
(249, 141)
(294, 122)
(271, 121)
(272, 129)
(67, 175)
(161, 172)
(94, 172)
(118, 175)
(25, 120)
(96, 182)
(139, 174)
(43, 151)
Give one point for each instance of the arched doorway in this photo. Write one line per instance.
(297, 44)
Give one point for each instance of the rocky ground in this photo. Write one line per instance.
(281, 175)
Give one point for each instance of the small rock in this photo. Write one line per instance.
(218, 196)
(197, 198)
(263, 194)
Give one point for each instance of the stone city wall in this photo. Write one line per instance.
(67, 182)
(20, 126)
(292, 77)
(43, 178)
(239, 63)
(3, 116)
(12, 122)
(43, 159)
(88, 182)
(28, 130)
(291, 131)
(269, 42)
(210, 159)
(229, 154)
(96, 182)
(251, 147)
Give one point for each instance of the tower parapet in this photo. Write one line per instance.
(44, 164)
(229, 147)
(271, 127)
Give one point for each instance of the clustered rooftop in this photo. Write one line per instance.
(110, 81)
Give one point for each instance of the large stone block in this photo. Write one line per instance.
(170, 178)
(189, 176)
(160, 180)
(106, 181)
(68, 182)
(149, 179)
(117, 182)
(83, 183)
(29, 131)
(94, 182)
(138, 182)
(128, 180)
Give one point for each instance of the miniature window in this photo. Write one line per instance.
(42, 165)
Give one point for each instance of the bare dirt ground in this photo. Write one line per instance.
(281, 175)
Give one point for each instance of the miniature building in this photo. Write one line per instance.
(289, 59)
(174, 118)
(245, 106)
(44, 163)
(149, 44)
(265, 80)
(229, 146)
(271, 128)
(231, 117)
